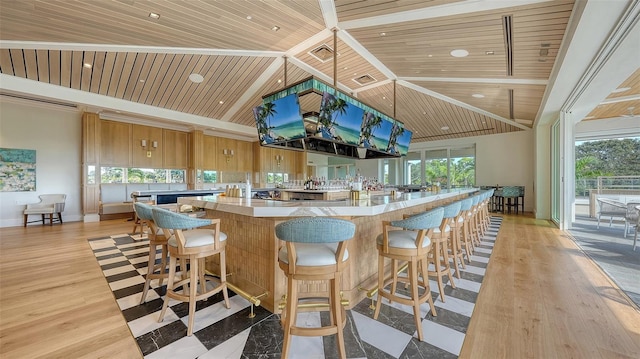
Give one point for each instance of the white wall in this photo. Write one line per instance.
(505, 159)
(56, 135)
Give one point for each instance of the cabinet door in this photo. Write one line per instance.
(147, 145)
(175, 149)
(245, 156)
(227, 154)
(209, 153)
(115, 143)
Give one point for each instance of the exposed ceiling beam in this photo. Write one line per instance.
(328, 8)
(461, 7)
(45, 90)
(321, 36)
(461, 104)
(620, 99)
(368, 56)
(34, 45)
(253, 89)
(372, 86)
(304, 66)
(509, 81)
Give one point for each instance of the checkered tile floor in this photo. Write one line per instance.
(230, 333)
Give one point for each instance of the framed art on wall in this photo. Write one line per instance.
(17, 170)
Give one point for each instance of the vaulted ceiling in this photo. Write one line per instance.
(394, 55)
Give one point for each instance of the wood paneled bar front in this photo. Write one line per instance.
(252, 247)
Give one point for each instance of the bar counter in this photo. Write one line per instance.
(252, 247)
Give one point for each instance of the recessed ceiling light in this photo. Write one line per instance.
(154, 16)
(478, 95)
(429, 55)
(249, 17)
(424, 113)
(384, 97)
(86, 65)
(275, 28)
(197, 78)
(459, 53)
(221, 102)
(489, 52)
(621, 89)
(279, 81)
(142, 80)
(383, 34)
(444, 128)
(345, 68)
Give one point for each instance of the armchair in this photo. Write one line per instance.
(612, 209)
(631, 218)
(49, 204)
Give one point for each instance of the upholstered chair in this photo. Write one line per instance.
(157, 238)
(189, 240)
(49, 204)
(315, 249)
(407, 240)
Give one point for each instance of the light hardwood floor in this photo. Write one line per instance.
(541, 298)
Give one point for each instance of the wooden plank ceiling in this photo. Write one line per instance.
(115, 49)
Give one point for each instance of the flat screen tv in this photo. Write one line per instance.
(339, 120)
(399, 140)
(375, 131)
(279, 120)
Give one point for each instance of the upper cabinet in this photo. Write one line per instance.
(244, 156)
(115, 143)
(209, 155)
(147, 146)
(175, 149)
(227, 154)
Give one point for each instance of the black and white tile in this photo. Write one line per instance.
(230, 333)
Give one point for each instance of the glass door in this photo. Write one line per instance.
(556, 176)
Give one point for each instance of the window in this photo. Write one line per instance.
(140, 175)
(462, 167)
(413, 169)
(449, 167)
(436, 167)
(210, 176)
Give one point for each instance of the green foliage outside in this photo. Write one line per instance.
(462, 172)
(615, 157)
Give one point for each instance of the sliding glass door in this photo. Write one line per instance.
(556, 173)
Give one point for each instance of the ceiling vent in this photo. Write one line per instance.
(364, 80)
(323, 53)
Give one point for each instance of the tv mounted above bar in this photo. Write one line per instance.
(311, 115)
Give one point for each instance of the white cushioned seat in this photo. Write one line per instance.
(197, 238)
(403, 239)
(446, 229)
(313, 254)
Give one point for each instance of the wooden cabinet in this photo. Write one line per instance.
(147, 147)
(175, 149)
(227, 154)
(115, 144)
(209, 153)
(244, 156)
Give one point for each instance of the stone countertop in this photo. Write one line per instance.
(373, 205)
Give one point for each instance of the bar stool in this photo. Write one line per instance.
(439, 255)
(194, 245)
(156, 238)
(411, 244)
(315, 249)
(475, 222)
(457, 237)
(511, 194)
(465, 214)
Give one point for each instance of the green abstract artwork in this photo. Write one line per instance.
(17, 170)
